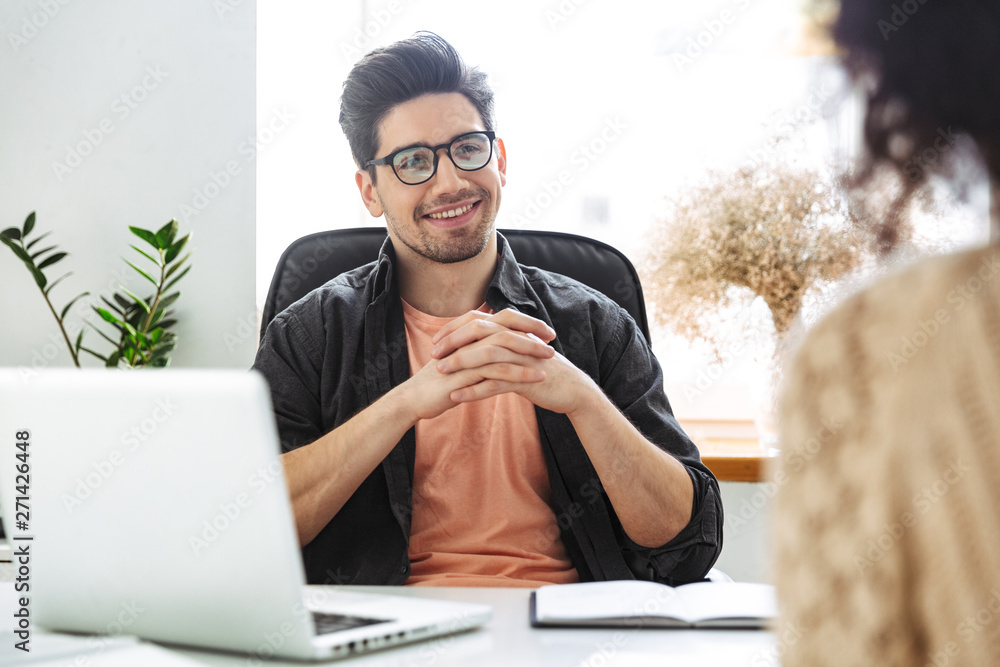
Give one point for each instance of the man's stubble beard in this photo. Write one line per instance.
(461, 244)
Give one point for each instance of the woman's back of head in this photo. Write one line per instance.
(887, 524)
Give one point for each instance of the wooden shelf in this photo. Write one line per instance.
(736, 460)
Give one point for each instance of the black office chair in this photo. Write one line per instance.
(313, 260)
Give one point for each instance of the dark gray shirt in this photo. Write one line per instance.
(342, 346)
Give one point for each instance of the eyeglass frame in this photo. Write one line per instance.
(388, 159)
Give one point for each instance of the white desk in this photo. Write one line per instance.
(509, 640)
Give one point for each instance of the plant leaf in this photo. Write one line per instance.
(103, 335)
(69, 305)
(108, 317)
(123, 302)
(113, 306)
(29, 224)
(176, 248)
(79, 341)
(155, 335)
(58, 280)
(166, 324)
(39, 277)
(12, 233)
(178, 277)
(37, 239)
(176, 266)
(146, 254)
(132, 333)
(52, 259)
(35, 255)
(89, 351)
(144, 234)
(19, 251)
(138, 300)
(141, 273)
(112, 360)
(165, 235)
(168, 300)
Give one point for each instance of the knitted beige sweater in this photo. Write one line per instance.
(887, 521)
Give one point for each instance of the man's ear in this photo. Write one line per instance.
(368, 193)
(502, 161)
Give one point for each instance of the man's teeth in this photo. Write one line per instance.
(452, 213)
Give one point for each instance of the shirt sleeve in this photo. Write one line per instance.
(289, 359)
(633, 379)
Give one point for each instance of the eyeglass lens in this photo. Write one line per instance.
(468, 152)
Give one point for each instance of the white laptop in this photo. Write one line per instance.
(158, 508)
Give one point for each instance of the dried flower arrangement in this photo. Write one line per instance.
(770, 231)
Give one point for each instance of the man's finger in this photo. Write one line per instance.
(450, 339)
(504, 346)
(508, 318)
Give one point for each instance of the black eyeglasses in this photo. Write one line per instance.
(418, 164)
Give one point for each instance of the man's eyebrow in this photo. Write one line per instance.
(421, 144)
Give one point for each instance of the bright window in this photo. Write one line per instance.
(606, 108)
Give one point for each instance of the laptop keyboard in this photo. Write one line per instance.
(327, 623)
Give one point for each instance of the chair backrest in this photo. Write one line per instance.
(315, 259)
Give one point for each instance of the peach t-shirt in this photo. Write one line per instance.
(481, 513)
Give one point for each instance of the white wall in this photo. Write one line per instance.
(746, 540)
(155, 97)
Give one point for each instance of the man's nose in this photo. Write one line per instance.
(448, 178)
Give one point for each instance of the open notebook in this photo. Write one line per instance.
(648, 604)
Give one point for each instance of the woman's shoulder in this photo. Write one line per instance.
(906, 310)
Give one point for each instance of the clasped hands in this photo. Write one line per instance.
(478, 355)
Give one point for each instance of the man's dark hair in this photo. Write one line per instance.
(932, 69)
(402, 71)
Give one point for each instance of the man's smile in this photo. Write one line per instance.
(453, 215)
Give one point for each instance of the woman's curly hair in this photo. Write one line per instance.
(932, 72)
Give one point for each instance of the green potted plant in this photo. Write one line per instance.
(141, 335)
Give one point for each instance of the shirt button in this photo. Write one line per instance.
(404, 569)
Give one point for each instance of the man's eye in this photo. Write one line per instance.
(468, 150)
(417, 161)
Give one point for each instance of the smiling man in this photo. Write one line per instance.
(450, 417)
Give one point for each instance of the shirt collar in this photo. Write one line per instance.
(508, 285)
